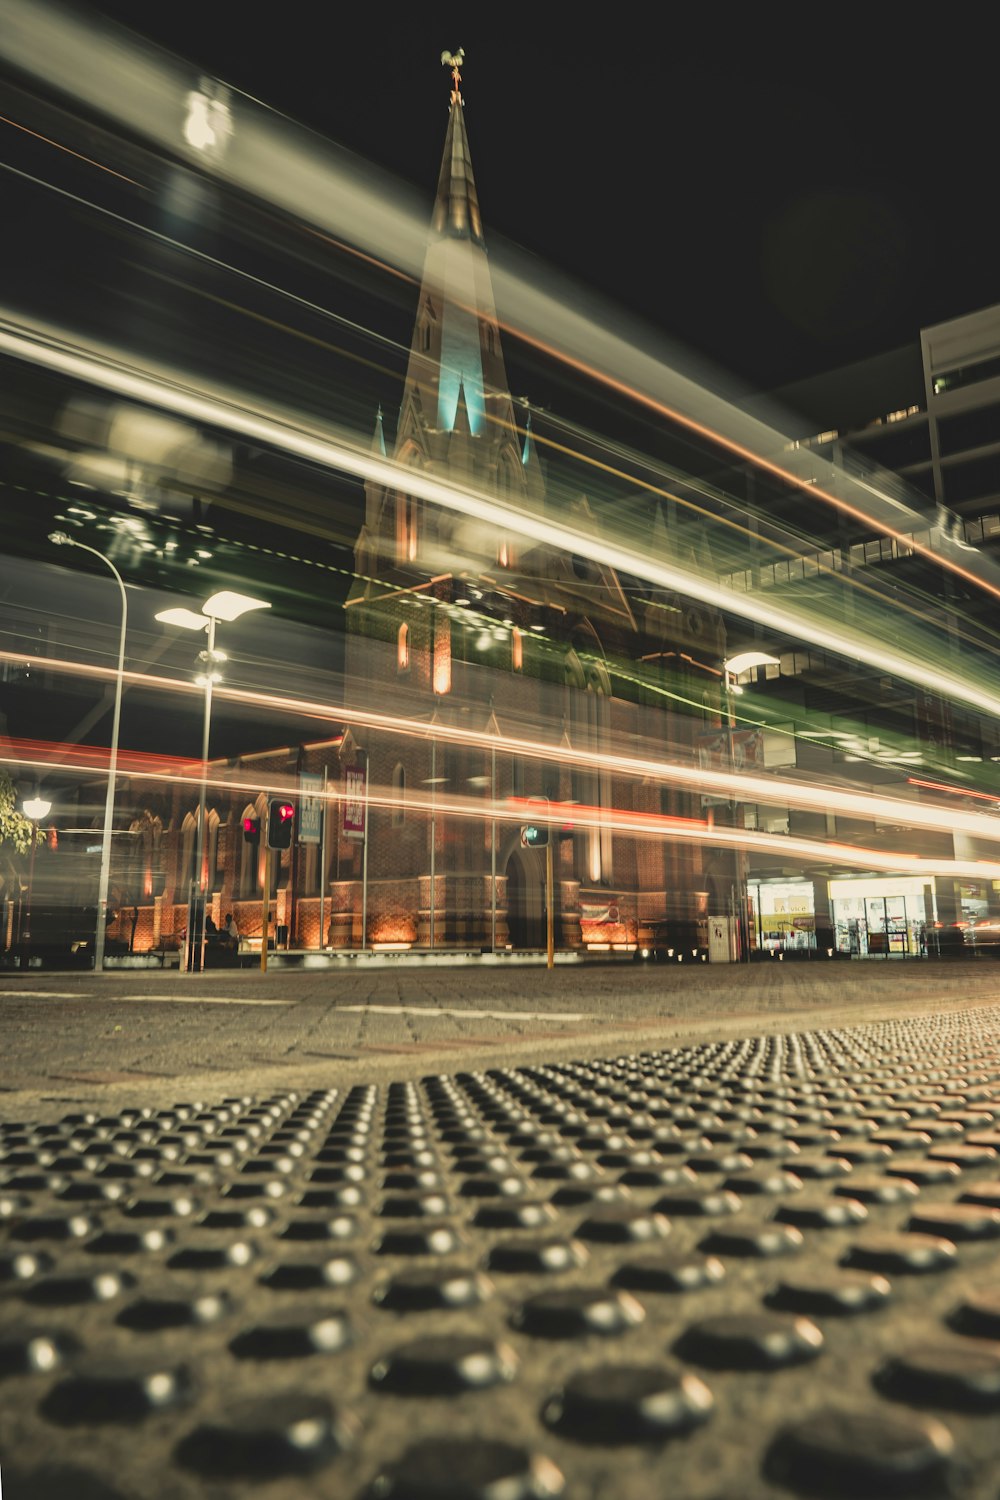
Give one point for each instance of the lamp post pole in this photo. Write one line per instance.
(736, 901)
(198, 890)
(61, 539)
(731, 667)
(35, 808)
(225, 605)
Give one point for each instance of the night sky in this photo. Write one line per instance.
(782, 191)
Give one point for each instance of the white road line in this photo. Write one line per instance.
(496, 1015)
(140, 999)
(41, 994)
(197, 1000)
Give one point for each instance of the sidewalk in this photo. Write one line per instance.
(90, 1036)
(601, 1234)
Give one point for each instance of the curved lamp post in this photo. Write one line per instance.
(226, 605)
(61, 539)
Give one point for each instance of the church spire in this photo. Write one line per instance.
(378, 436)
(456, 417)
(456, 340)
(456, 204)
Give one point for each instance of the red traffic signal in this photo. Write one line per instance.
(251, 830)
(280, 822)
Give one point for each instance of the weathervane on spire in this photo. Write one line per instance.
(454, 61)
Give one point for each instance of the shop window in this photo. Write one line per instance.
(779, 746)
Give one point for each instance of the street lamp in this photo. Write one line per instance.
(61, 539)
(731, 668)
(35, 808)
(225, 605)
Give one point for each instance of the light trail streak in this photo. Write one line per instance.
(660, 490)
(955, 791)
(5, 119)
(295, 298)
(278, 162)
(620, 821)
(332, 450)
(740, 785)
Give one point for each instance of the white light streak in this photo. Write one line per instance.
(331, 449)
(270, 157)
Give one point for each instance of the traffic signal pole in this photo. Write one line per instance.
(537, 836)
(264, 911)
(550, 957)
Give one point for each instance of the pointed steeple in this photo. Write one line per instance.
(456, 203)
(462, 426)
(378, 436)
(530, 462)
(528, 448)
(460, 443)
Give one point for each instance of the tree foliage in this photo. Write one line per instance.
(15, 829)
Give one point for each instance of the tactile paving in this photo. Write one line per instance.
(764, 1267)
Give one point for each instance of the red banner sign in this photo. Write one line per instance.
(355, 804)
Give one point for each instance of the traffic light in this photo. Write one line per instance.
(251, 830)
(534, 835)
(280, 822)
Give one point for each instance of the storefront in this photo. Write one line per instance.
(784, 915)
(882, 918)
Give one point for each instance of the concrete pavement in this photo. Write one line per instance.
(602, 1234)
(87, 1038)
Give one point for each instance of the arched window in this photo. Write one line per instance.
(212, 882)
(185, 864)
(509, 487)
(149, 875)
(442, 656)
(398, 796)
(516, 650)
(403, 648)
(599, 716)
(251, 858)
(406, 527)
(590, 721)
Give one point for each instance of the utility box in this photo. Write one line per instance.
(721, 940)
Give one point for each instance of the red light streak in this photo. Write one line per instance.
(697, 779)
(69, 150)
(956, 791)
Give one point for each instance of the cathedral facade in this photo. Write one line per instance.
(499, 654)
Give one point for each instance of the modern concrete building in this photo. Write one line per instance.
(925, 422)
